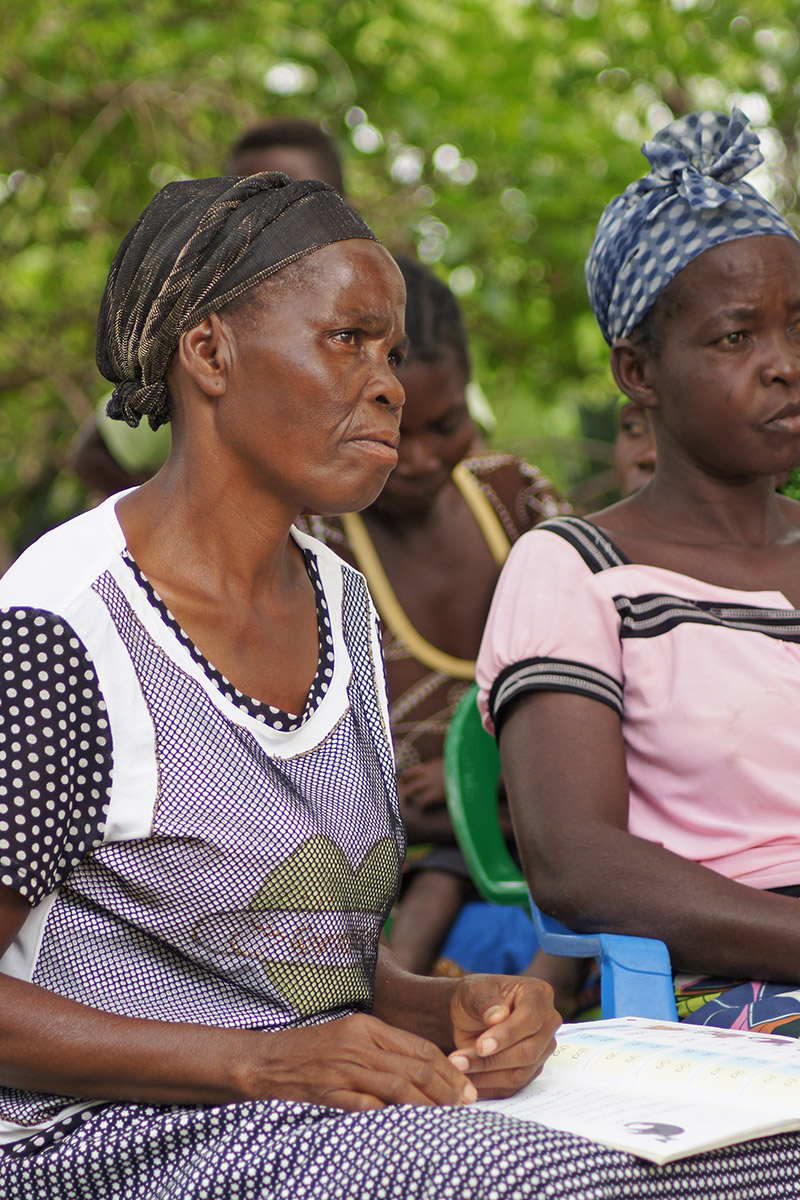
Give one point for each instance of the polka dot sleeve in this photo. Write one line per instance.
(55, 752)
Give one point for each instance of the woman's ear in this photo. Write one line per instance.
(630, 367)
(205, 352)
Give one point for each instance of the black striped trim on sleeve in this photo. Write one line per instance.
(551, 675)
(651, 615)
(597, 551)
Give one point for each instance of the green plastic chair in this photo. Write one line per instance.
(635, 973)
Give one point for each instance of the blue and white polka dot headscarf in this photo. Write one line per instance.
(693, 198)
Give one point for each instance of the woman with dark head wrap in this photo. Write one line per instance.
(643, 700)
(201, 836)
(199, 827)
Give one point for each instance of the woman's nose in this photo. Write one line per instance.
(782, 362)
(646, 454)
(389, 390)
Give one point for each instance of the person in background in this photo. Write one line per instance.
(108, 456)
(634, 448)
(300, 149)
(431, 547)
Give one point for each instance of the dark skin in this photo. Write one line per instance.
(432, 550)
(443, 575)
(634, 449)
(723, 394)
(294, 403)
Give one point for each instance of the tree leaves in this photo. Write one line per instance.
(541, 108)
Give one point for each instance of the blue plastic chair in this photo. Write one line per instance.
(635, 973)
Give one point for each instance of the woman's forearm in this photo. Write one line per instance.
(564, 766)
(53, 1044)
(623, 884)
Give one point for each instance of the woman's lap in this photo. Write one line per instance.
(279, 1151)
(726, 1004)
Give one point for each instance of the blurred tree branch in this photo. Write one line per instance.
(489, 134)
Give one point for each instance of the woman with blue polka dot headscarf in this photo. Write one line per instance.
(642, 666)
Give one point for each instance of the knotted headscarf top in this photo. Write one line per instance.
(693, 198)
(198, 245)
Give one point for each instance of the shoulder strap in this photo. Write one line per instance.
(392, 611)
(481, 508)
(383, 593)
(595, 548)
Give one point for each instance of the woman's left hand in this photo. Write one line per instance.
(422, 802)
(423, 784)
(504, 1030)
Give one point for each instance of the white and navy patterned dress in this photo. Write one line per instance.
(193, 855)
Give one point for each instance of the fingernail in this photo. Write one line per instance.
(496, 1010)
(488, 1046)
(470, 1093)
(460, 1062)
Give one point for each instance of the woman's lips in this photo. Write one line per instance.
(382, 445)
(787, 420)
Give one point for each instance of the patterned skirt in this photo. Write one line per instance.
(739, 1004)
(273, 1150)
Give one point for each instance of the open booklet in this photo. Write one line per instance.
(663, 1091)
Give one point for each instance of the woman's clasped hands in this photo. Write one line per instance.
(502, 1029)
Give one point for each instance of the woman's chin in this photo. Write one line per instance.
(348, 501)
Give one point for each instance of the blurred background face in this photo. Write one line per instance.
(436, 431)
(634, 449)
(298, 161)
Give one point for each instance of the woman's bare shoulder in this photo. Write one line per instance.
(623, 517)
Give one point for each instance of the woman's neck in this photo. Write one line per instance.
(694, 509)
(181, 529)
(402, 524)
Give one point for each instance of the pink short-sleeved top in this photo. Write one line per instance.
(706, 681)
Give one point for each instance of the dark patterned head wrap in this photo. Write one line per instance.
(693, 198)
(198, 245)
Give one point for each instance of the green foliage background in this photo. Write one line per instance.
(540, 108)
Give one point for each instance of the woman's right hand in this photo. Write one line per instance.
(355, 1063)
(51, 1043)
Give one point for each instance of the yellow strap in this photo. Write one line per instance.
(383, 593)
(481, 508)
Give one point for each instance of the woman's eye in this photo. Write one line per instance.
(734, 339)
(396, 358)
(446, 428)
